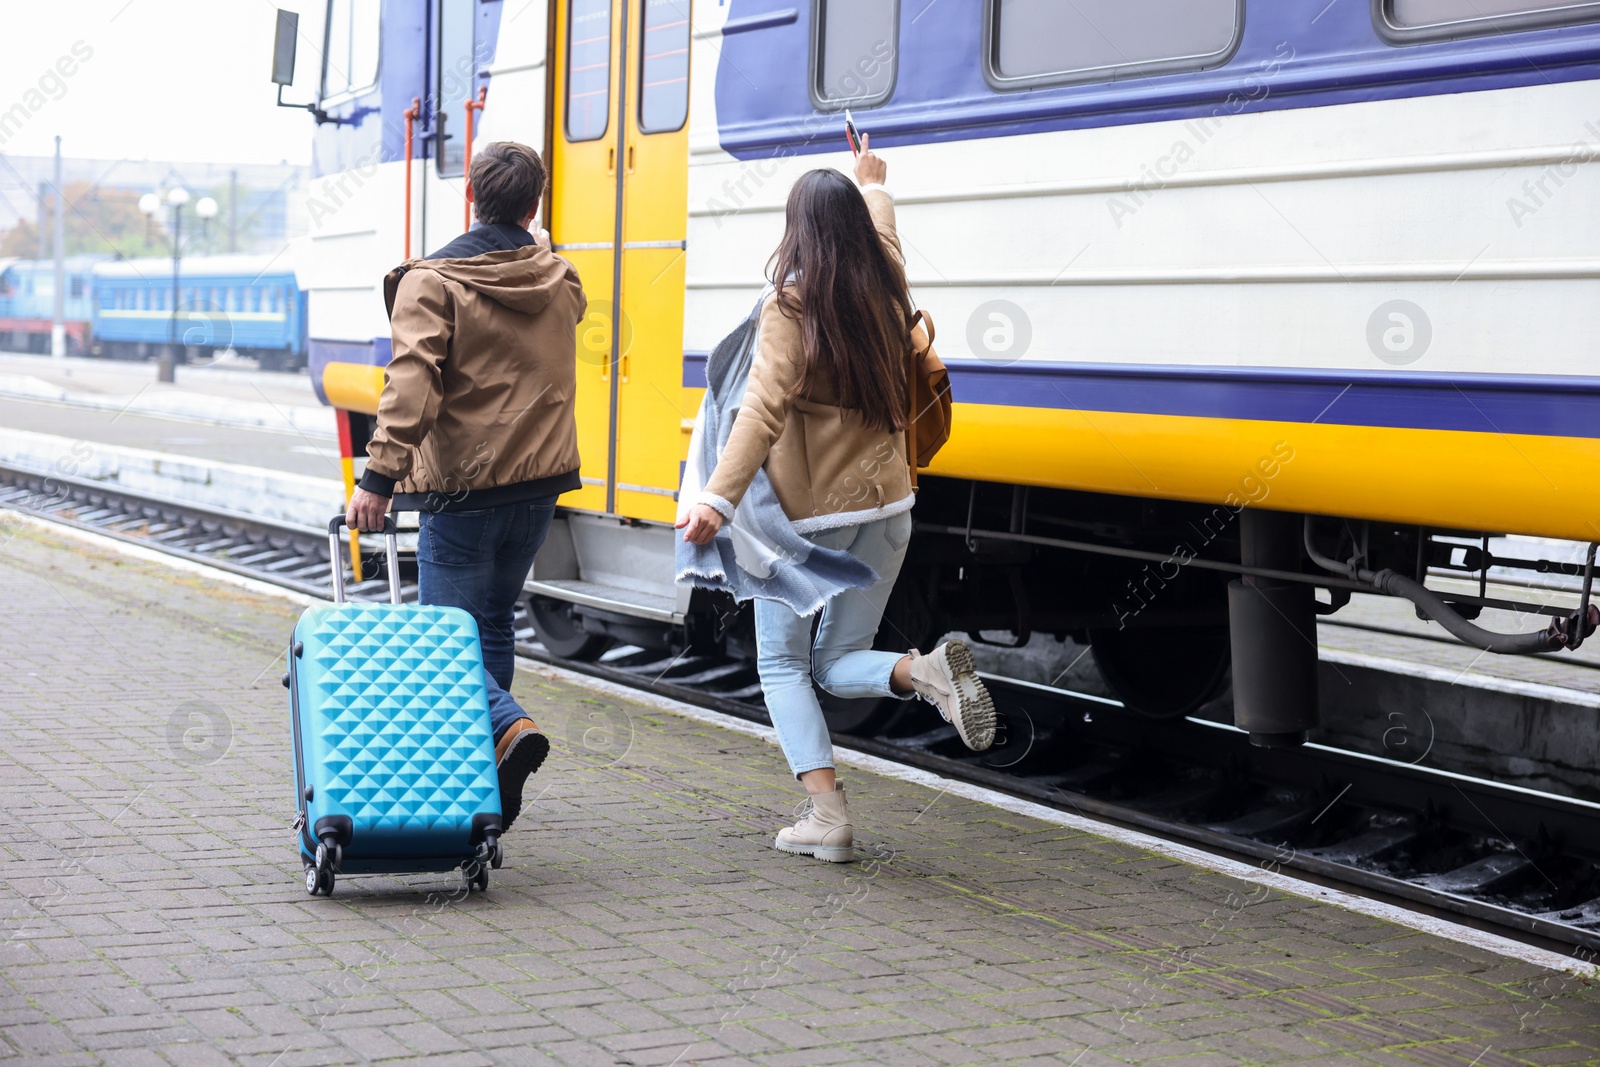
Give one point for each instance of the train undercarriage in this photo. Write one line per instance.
(1177, 601)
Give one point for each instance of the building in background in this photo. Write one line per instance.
(270, 208)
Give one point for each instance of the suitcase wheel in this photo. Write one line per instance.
(476, 870)
(319, 882)
(319, 876)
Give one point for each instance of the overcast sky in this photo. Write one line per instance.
(165, 80)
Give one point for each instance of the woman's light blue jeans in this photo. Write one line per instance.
(841, 660)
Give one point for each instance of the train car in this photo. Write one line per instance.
(1248, 304)
(27, 303)
(250, 304)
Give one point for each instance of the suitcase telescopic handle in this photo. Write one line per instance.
(391, 546)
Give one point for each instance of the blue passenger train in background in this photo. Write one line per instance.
(251, 305)
(27, 303)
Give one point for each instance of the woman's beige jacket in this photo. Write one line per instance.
(827, 466)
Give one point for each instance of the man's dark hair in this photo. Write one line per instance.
(507, 181)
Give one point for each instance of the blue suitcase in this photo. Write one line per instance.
(393, 751)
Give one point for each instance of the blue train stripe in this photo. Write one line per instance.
(694, 369)
(1485, 403)
(941, 92)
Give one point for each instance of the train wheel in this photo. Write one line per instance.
(559, 632)
(1163, 673)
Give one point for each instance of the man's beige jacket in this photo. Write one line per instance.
(477, 403)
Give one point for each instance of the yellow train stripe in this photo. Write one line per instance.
(353, 386)
(163, 315)
(1507, 483)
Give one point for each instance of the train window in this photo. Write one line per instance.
(458, 79)
(1044, 42)
(664, 67)
(588, 69)
(350, 60)
(77, 286)
(854, 44)
(1404, 19)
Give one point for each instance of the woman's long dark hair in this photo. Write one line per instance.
(850, 296)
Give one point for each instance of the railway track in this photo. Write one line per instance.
(1497, 856)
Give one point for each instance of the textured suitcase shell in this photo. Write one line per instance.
(392, 732)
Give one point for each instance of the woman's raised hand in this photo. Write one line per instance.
(870, 168)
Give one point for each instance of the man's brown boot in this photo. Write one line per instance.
(518, 753)
(825, 831)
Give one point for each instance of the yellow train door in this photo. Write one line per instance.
(584, 210)
(619, 212)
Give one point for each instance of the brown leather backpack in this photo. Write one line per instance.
(928, 427)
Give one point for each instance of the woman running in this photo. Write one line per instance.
(824, 413)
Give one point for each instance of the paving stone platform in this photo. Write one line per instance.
(153, 910)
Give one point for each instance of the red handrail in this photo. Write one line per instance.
(411, 114)
(466, 161)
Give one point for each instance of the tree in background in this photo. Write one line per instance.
(109, 222)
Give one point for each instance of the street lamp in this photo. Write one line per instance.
(151, 205)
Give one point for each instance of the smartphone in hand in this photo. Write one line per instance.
(851, 134)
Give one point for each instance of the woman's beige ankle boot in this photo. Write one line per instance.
(825, 831)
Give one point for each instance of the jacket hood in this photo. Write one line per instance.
(522, 279)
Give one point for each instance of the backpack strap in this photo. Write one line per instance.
(911, 392)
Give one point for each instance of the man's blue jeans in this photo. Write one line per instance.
(479, 560)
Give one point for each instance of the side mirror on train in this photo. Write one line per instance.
(284, 43)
